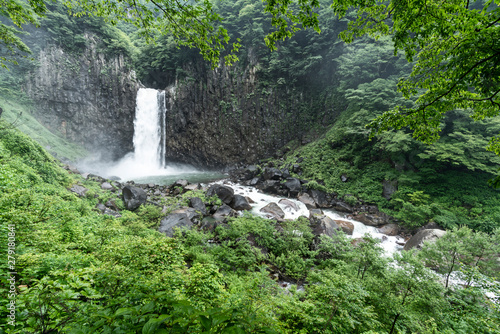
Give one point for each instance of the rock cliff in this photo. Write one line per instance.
(88, 98)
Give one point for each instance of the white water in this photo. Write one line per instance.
(388, 243)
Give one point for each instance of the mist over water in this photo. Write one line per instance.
(147, 163)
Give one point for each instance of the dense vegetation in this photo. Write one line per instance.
(79, 271)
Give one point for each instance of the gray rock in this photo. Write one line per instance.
(288, 203)
(376, 219)
(107, 186)
(240, 203)
(113, 213)
(293, 186)
(223, 212)
(389, 188)
(100, 207)
(417, 241)
(296, 168)
(344, 178)
(174, 220)
(226, 194)
(274, 210)
(272, 174)
(194, 186)
(320, 198)
(323, 225)
(308, 201)
(269, 186)
(390, 229)
(180, 183)
(197, 204)
(133, 197)
(79, 190)
(342, 207)
(254, 181)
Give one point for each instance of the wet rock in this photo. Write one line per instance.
(323, 225)
(253, 182)
(240, 203)
(174, 220)
(293, 186)
(307, 200)
(270, 186)
(345, 225)
(389, 188)
(197, 204)
(225, 193)
(342, 207)
(133, 197)
(376, 219)
(390, 229)
(274, 210)
(320, 198)
(180, 183)
(79, 190)
(316, 212)
(289, 204)
(251, 201)
(417, 241)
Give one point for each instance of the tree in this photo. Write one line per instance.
(454, 46)
(193, 24)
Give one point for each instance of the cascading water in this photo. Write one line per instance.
(149, 125)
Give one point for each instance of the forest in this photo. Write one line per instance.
(371, 116)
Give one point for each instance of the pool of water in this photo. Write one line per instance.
(192, 177)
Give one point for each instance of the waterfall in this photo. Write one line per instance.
(149, 129)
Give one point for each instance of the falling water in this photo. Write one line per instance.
(149, 139)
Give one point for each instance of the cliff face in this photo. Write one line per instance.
(88, 98)
(226, 116)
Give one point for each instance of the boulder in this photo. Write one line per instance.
(112, 205)
(293, 186)
(253, 182)
(270, 186)
(289, 204)
(100, 207)
(250, 172)
(193, 186)
(191, 213)
(79, 190)
(323, 225)
(224, 211)
(133, 197)
(390, 229)
(417, 241)
(180, 183)
(197, 204)
(107, 186)
(272, 174)
(240, 203)
(225, 193)
(345, 225)
(285, 173)
(342, 207)
(296, 168)
(308, 201)
(320, 198)
(376, 219)
(174, 220)
(389, 188)
(274, 210)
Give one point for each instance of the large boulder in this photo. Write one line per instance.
(308, 201)
(342, 207)
(272, 174)
(223, 212)
(345, 225)
(133, 197)
(293, 186)
(240, 203)
(417, 241)
(376, 219)
(269, 186)
(225, 193)
(289, 204)
(197, 204)
(390, 229)
(274, 210)
(320, 198)
(321, 224)
(174, 220)
(180, 183)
